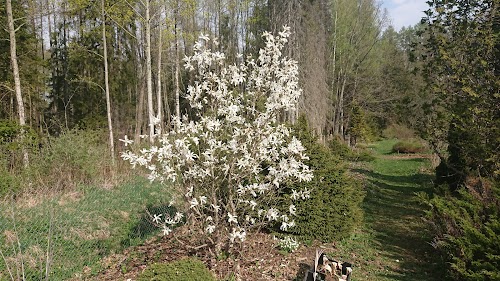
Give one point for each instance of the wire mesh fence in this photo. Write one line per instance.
(66, 237)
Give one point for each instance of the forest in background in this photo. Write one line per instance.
(78, 75)
(77, 56)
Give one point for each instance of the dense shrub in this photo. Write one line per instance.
(361, 127)
(408, 146)
(11, 157)
(344, 152)
(467, 227)
(75, 157)
(8, 183)
(188, 269)
(340, 149)
(397, 131)
(334, 207)
(12, 144)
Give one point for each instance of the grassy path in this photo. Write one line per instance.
(393, 243)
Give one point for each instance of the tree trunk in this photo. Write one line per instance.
(177, 89)
(106, 85)
(159, 97)
(149, 78)
(139, 112)
(17, 80)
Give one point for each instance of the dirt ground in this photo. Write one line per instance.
(261, 259)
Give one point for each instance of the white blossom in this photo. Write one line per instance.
(232, 218)
(216, 208)
(210, 229)
(193, 203)
(126, 140)
(272, 214)
(230, 154)
(166, 230)
(178, 216)
(237, 233)
(157, 218)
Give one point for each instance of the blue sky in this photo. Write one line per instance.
(405, 12)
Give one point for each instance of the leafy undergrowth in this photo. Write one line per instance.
(393, 244)
(77, 229)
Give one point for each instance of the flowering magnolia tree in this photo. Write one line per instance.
(233, 156)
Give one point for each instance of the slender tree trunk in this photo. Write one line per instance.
(149, 78)
(139, 112)
(334, 65)
(17, 80)
(159, 97)
(49, 22)
(106, 85)
(341, 107)
(177, 86)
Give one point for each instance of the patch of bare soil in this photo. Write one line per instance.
(260, 258)
(407, 156)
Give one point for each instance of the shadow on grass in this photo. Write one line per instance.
(145, 227)
(406, 184)
(396, 217)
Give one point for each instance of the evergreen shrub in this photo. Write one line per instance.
(467, 228)
(340, 149)
(344, 152)
(334, 208)
(188, 269)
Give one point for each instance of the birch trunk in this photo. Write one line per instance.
(158, 95)
(106, 85)
(149, 79)
(177, 89)
(17, 80)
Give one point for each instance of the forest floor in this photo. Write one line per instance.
(391, 244)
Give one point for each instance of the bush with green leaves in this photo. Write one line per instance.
(361, 127)
(11, 158)
(467, 229)
(398, 131)
(8, 183)
(188, 269)
(461, 123)
(408, 146)
(334, 207)
(340, 149)
(72, 158)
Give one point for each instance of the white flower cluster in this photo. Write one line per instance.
(232, 157)
(167, 223)
(288, 244)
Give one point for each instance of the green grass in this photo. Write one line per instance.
(82, 227)
(393, 243)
